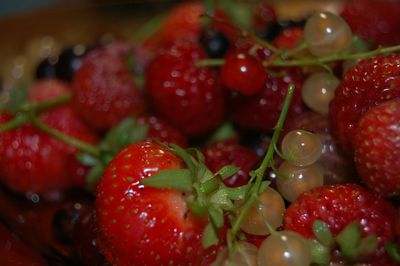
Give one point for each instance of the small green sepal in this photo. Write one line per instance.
(170, 178)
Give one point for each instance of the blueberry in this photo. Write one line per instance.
(214, 42)
(69, 62)
(46, 68)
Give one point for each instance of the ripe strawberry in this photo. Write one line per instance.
(104, 89)
(377, 148)
(228, 152)
(144, 225)
(261, 111)
(47, 89)
(340, 205)
(376, 21)
(370, 82)
(188, 97)
(182, 22)
(159, 130)
(29, 161)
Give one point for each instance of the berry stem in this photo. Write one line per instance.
(82, 146)
(38, 107)
(330, 58)
(16, 122)
(259, 173)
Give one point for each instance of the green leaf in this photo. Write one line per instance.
(123, 134)
(95, 173)
(221, 199)
(367, 246)
(87, 159)
(323, 233)
(18, 96)
(320, 254)
(210, 236)
(186, 157)
(393, 251)
(237, 193)
(227, 171)
(224, 132)
(197, 208)
(216, 216)
(170, 178)
(348, 240)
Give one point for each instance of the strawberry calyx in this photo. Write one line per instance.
(352, 246)
(393, 251)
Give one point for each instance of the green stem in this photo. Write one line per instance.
(265, 44)
(330, 58)
(259, 173)
(38, 107)
(16, 122)
(82, 146)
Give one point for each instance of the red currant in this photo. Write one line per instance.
(243, 72)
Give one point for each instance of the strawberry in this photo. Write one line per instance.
(188, 97)
(181, 22)
(340, 205)
(227, 152)
(261, 111)
(104, 88)
(29, 161)
(376, 21)
(154, 224)
(159, 130)
(377, 148)
(370, 82)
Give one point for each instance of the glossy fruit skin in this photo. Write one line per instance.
(104, 89)
(228, 152)
(161, 131)
(243, 72)
(261, 111)
(376, 21)
(142, 225)
(188, 97)
(377, 148)
(370, 82)
(339, 205)
(182, 22)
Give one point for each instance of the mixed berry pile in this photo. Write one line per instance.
(223, 136)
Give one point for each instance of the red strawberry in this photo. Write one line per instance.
(377, 148)
(29, 161)
(340, 205)
(159, 130)
(188, 97)
(143, 225)
(261, 111)
(224, 153)
(370, 82)
(377, 21)
(182, 22)
(104, 89)
(47, 89)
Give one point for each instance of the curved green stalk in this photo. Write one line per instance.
(38, 107)
(82, 146)
(258, 174)
(16, 122)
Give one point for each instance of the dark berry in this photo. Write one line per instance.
(275, 29)
(46, 68)
(214, 42)
(69, 61)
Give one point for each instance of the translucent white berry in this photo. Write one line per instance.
(301, 147)
(326, 34)
(244, 254)
(270, 209)
(295, 180)
(318, 90)
(285, 248)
